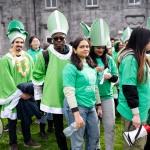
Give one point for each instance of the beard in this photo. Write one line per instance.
(18, 49)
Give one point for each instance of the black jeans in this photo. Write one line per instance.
(12, 124)
(58, 124)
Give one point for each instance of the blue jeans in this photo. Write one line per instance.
(90, 129)
(46, 117)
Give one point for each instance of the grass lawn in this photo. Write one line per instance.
(51, 144)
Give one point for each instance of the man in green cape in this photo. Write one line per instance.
(16, 68)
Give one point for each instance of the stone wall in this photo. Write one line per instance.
(117, 13)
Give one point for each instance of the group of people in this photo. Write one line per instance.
(76, 81)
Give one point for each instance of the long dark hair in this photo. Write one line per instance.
(74, 57)
(104, 57)
(117, 46)
(139, 38)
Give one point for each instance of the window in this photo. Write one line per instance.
(134, 2)
(51, 3)
(49, 40)
(91, 3)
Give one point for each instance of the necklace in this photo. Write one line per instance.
(19, 64)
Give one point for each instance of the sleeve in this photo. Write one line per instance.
(97, 95)
(38, 74)
(69, 79)
(129, 71)
(69, 93)
(114, 73)
(9, 90)
(113, 79)
(69, 75)
(129, 82)
(131, 94)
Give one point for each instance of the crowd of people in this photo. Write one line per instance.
(86, 81)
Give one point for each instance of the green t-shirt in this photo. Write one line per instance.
(105, 89)
(83, 81)
(34, 53)
(128, 76)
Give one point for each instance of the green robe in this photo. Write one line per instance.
(52, 97)
(10, 78)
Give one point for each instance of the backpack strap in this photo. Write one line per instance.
(46, 58)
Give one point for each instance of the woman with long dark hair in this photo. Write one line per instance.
(104, 61)
(106, 74)
(134, 86)
(81, 92)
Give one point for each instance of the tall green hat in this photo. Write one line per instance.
(85, 29)
(57, 22)
(95, 21)
(99, 33)
(148, 22)
(126, 34)
(16, 30)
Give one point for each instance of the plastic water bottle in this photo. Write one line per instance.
(70, 129)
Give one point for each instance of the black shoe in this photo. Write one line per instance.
(6, 128)
(32, 144)
(13, 147)
(43, 135)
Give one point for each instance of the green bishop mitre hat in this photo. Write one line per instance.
(148, 22)
(108, 43)
(57, 22)
(126, 34)
(85, 29)
(95, 21)
(16, 30)
(99, 33)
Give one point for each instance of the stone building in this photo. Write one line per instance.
(34, 14)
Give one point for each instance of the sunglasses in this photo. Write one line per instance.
(58, 38)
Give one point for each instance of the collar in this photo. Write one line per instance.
(34, 49)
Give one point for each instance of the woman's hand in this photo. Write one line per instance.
(99, 69)
(78, 119)
(136, 121)
(25, 96)
(99, 111)
(107, 76)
